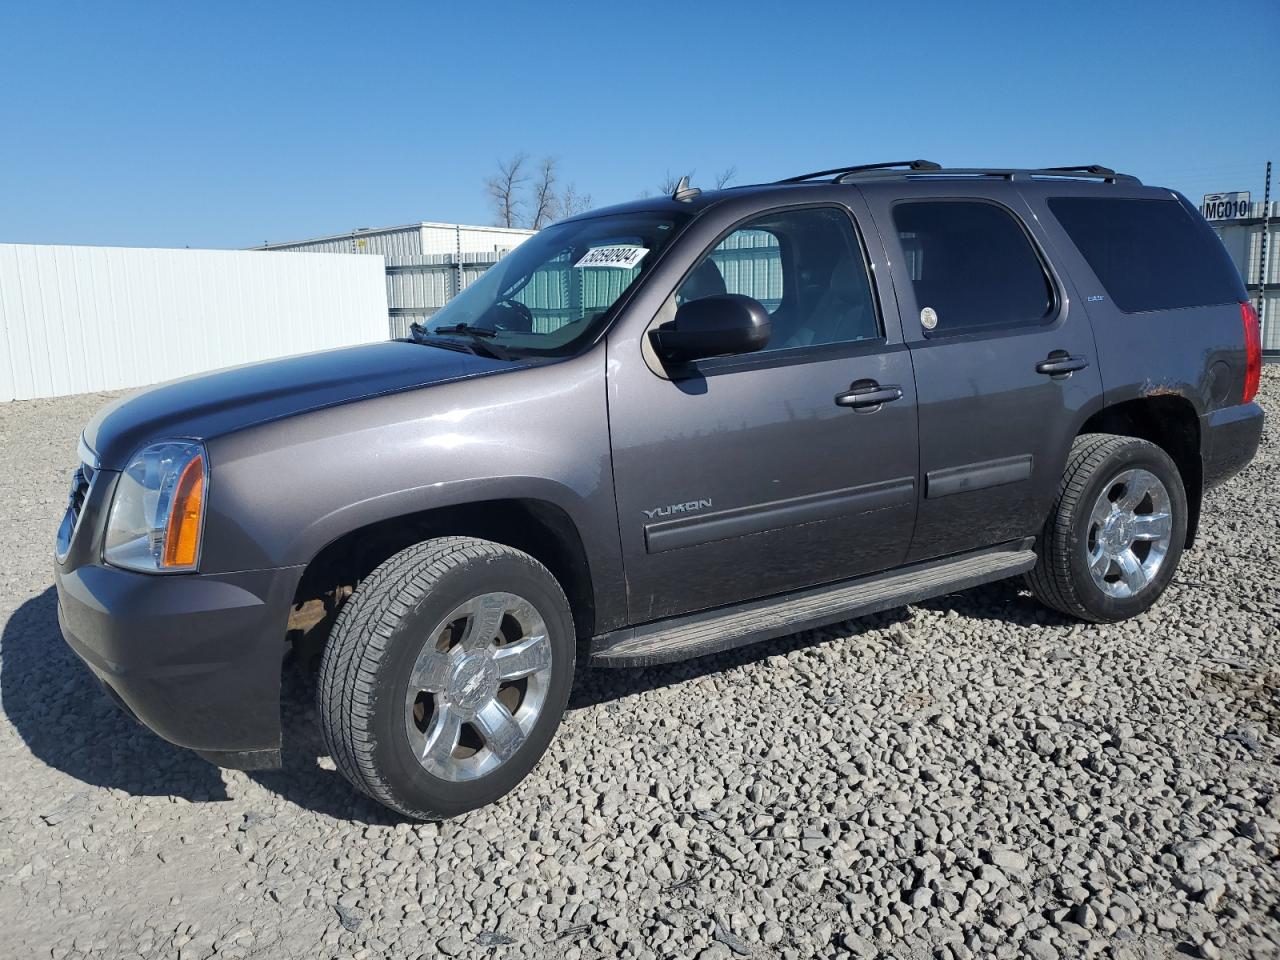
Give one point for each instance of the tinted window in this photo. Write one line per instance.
(972, 264)
(805, 266)
(1149, 254)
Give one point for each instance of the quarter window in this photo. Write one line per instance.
(971, 266)
(1150, 254)
(806, 268)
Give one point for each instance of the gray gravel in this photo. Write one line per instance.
(972, 776)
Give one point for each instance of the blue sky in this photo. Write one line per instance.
(227, 124)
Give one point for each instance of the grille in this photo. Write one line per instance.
(80, 481)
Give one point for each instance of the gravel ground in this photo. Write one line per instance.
(970, 776)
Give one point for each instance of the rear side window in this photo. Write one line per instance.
(971, 266)
(1149, 254)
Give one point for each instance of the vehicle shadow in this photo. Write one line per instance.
(68, 721)
(307, 776)
(1004, 600)
(601, 685)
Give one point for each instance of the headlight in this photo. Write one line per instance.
(157, 513)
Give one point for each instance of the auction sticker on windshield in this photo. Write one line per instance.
(624, 257)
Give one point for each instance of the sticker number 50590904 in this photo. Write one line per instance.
(623, 257)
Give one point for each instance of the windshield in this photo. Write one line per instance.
(550, 295)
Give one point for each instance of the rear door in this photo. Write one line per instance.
(744, 476)
(1004, 360)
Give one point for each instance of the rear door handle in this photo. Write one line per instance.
(867, 395)
(1061, 365)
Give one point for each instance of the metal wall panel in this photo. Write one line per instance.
(403, 241)
(81, 319)
(1270, 321)
(411, 240)
(1244, 242)
(429, 282)
(451, 237)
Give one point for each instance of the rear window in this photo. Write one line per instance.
(1150, 254)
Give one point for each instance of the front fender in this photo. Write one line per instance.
(280, 492)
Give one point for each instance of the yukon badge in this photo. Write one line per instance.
(692, 506)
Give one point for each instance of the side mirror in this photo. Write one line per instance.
(718, 326)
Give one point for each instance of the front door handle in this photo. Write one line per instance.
(868, 396)
(1060, 365)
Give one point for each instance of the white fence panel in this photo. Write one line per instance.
(82, 319)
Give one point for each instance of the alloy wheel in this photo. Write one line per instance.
(1130, 530)
(478, 686)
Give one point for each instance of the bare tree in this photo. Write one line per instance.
(726, 175)
(504, 189)
(511, 193)
(572, 202)
(545, 200)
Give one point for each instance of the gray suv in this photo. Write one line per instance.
(657, 431)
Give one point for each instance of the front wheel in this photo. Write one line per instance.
(446, 676)
(1116, 530)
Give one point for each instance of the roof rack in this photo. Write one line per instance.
(839, 173)
(924, 169)
(1093, 169)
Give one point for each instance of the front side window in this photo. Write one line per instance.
(550, 295)
(804, 266)
(971, 266)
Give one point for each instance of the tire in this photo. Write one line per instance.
(412, 623)
(1110, 588)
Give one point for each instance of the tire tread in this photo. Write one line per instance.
(1050, 580)
(348, 684)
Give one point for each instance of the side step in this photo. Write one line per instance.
(712, 631)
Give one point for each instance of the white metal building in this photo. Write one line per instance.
(427, 263)
(81, 319)
(413, 240)
(1241, 233)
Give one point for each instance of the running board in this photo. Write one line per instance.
(713, 631)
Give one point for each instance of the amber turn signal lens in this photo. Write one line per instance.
(182, 533)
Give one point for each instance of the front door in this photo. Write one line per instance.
(748, 476)
(1004, 360)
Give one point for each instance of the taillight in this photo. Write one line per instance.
(1252, 351)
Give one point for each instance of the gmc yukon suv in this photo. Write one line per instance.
(657, 431)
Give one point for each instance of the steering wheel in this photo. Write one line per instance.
(524, 317)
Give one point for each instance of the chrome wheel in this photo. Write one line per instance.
(478, 686)
(1130, 530)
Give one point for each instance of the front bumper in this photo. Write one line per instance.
(195, 658)
(1230, 438)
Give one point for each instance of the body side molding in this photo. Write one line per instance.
(688, 531)
(977, 476)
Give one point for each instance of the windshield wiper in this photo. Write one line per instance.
(473, 344)
(466, 328)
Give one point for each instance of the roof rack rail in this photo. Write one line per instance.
(838, 173)
(927, 169)
(1094, 169)
(1105, 174)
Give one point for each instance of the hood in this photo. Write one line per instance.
(212, 404)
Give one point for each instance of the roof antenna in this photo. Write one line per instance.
(683, 191)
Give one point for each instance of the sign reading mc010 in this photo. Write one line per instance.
(1225, 206)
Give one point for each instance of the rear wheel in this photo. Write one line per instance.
(1114, 536)
(446, 676)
